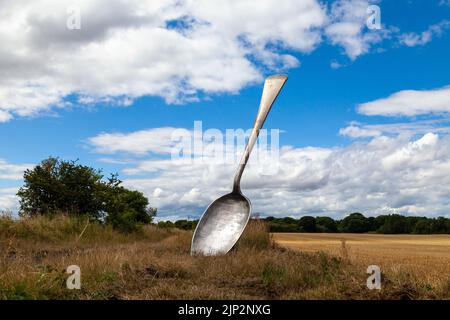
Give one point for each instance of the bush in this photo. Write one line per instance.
(166, 224)
(58, 186)
(186, 224)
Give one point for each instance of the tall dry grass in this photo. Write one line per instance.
(256, 236)
(69, 230)
(155, 264)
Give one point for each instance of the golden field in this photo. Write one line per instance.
(155, 263)
(425, 257)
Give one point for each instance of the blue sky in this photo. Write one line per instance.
(329, 79)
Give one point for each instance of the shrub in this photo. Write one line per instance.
(58, 186)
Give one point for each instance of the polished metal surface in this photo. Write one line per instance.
(225, 219)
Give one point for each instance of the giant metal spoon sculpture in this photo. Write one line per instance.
(225, 219)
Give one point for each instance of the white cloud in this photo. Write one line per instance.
(348, 27)
(9, 171)
(13, 172)
(294, 23)
(8, 199)
(158, 140)
(405, 156)
(405, 129)
(355, 131)
(412, 39)
(382, 174)
(335, 65)
(125, 50)
(8, 202)
(175, 49)
(409, 103)
(5, 116)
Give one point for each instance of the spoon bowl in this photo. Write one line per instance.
(223, 223)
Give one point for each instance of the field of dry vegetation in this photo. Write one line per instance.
(420, 259)
(155, 263)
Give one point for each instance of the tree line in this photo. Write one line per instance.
(358, 223)
(353, 223)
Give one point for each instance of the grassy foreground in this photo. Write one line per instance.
(154, 263)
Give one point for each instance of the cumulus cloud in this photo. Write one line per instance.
(9, 171)
(5, 116)
(355, 131)
(406, 129)
(158, 140)
(335, 65)
(348, 27)
(178, 50)
(380, 174)
(409, 103)
(125, 50)
(178, 143)
(8, 200)
(412, 39)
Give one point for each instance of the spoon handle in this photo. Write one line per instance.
(272, 87)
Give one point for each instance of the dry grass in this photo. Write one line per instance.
(155, 264)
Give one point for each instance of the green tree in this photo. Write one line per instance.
(186, 224)
(440, 225)
(326, 224)
(127, 209)
(354, 223)
(379, 222)
(166, 224)
(373, 224)
(395, 224)
(61, 186)
(307, 224)
(422, 226)
(286, 224)
(58, 186)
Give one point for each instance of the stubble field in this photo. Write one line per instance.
(425, 257)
